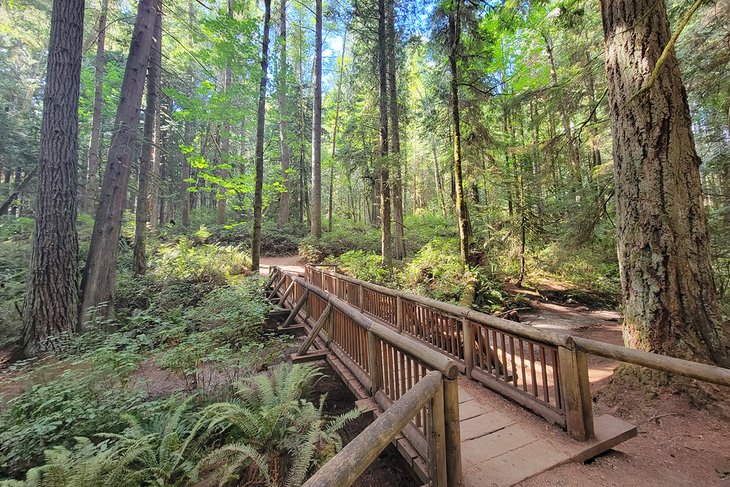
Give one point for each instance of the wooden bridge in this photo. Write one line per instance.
(452, 387)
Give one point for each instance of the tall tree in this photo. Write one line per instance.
(93, 157)
(97, 284)
(220, 215)
(51, 298)
(316, 217)
(462, 214)
(143, 213)
(284, 201)
(334, 129)
(399, 250)
(260, 125)
(386, 248)
(670, 302)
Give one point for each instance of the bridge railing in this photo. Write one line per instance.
(546, 372)
(520, 362)
(390, 366)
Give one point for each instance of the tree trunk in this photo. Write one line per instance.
(399, 250)
(386, 244)
(260, 125)
(184, 194)
(98, 280)
(220, 213)
(334, 130)
(316, 216)
(461, 207)
(670, 301)
(573, 153)
(51, 300)
(284, 200)
(92, 164)
(143, 211)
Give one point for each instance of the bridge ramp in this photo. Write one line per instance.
(502, 444)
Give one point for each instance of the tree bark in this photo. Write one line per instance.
(386, 245)
(92, 164)
(284, 200)
(184, 194)
(143, 211)
(220, 214)
(399, 249)
(573, 153)
(260, 125)
(670, 301)
(51, 300)
(316, 216)
(334, 130)
(462, 213)
(98, 279)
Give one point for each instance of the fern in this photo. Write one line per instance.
(271, 434)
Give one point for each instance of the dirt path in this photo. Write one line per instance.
(289, 263)
(677, 445)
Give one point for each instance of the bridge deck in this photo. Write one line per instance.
(503, 444)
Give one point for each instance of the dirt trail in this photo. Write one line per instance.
(289, 263)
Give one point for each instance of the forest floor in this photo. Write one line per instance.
(677, 443)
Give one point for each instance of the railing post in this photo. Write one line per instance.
(468, 346)
(575, 389)
(436, 431)
(361, 297)
(453, 432)
(376, 371)
(399, 313)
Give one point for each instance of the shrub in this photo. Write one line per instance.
(214, 264)
(436, 271)
(366, 266)
(339, 241)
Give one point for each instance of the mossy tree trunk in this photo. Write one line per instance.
(663, 246)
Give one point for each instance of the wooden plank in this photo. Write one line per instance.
(578, 416)
(315, 331)
(309, 357)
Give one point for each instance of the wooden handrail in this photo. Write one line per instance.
(544, 336)
(389, 366)
(695, 370)
(428, 356)
(345, 467)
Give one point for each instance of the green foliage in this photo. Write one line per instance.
(14, 258)
(81, 402)
(84, 465)
(436, 271)
(367, 266)
(222, 335)
(272, 435)
(339, 241)
(210, 264)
